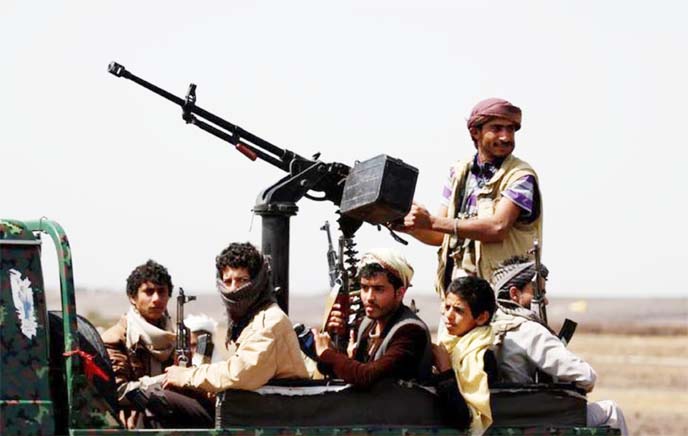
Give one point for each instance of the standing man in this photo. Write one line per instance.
(140, 347)
(260, 337)
(491, 207)
(391, 342)
(524, 346)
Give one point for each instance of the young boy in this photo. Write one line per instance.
(469, 304)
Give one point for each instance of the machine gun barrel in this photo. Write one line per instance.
(231, 133)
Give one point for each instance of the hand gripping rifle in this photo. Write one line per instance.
(182, 350)
(343, 287)
(391, 181)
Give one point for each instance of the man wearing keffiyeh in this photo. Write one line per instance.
(491, 206)
(260, 337)
(140, 347)
(523, 345)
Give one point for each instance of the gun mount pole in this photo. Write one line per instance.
(275, 243)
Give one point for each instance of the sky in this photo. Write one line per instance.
(602, 86)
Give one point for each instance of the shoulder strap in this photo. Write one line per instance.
(385, 342)
(362, 328)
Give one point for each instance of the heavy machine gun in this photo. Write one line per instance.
(378, 190)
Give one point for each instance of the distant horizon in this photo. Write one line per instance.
(425, 293)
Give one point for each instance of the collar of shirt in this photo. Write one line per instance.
(485, 170)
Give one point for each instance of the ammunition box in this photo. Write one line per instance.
(379, 190)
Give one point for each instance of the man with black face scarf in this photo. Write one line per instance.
(260, 337)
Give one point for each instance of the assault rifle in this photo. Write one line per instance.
(537, 305)
(377, 191)
(331, 255)
(339, 289)
(182, 349)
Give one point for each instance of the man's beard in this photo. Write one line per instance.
(382, 313)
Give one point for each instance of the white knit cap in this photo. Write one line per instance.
(392, 261)
(200, 322)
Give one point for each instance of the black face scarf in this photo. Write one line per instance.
(245, 302)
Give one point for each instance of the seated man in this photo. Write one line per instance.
(523, 345)
(391, 342)
(260, 337)
(469, 304)
(141, 345)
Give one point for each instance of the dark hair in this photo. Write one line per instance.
(476, 292)
(151, 271)
(240, 255)
(369, 270)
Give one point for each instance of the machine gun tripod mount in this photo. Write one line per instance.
(377, 191)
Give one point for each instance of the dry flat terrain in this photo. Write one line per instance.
(647, 375)
(639, 347)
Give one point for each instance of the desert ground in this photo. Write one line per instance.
(639, 347)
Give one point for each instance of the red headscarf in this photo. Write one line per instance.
(494, 107)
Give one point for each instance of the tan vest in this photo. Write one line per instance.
(482, 258)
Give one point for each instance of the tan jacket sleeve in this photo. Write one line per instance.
(253, 364)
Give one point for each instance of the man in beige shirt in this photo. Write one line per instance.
(260, 337)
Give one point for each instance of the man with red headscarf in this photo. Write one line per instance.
(492, 208)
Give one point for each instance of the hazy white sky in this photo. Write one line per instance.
(602, 86)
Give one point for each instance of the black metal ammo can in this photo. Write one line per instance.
(379, 190)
